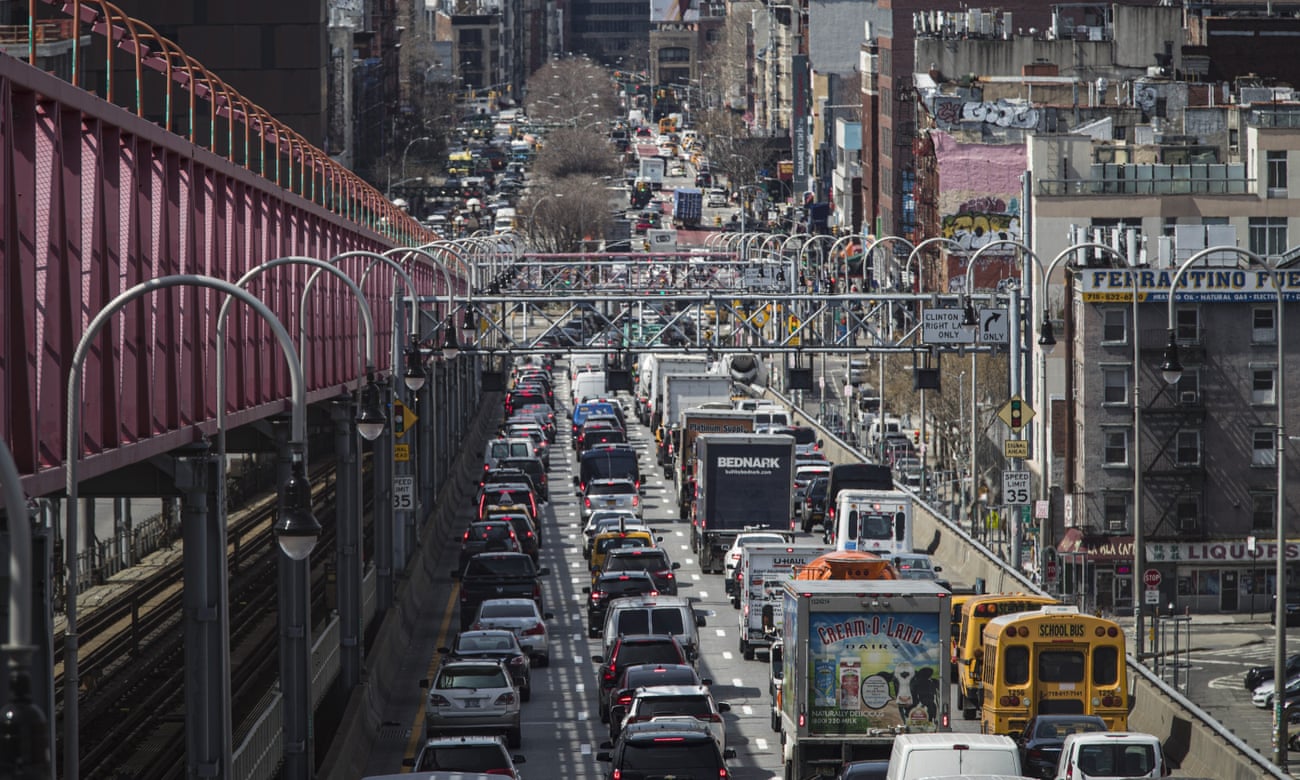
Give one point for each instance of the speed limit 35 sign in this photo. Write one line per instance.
(1015, 487)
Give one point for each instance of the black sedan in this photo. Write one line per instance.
(1040, 743)
(1261, 674)
(498, 645)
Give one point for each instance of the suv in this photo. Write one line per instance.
(671, 615)
(496, 576)
(814, 504)
(611, 494)
(536, 472)
(1110, 754)
(501, 498)
(627, 651)
(491, 535)
(678, 703)
(659, 750)
(608, 587)
(486, 755)
(473, 696)
(497, 644)
(652, 559)
(643, 676)
(498, 450)
(527, 533)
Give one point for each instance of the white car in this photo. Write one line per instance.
(690, 705)
(732, 558)
(465, 757)
(1263, 695)
(473, 697)
(522, 618)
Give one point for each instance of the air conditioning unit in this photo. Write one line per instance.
(1188, 397)
(1116, 525)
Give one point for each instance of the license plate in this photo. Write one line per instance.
(472, 703)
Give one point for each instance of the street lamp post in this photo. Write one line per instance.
(206, 748)
(28, 755)
(1171, 370)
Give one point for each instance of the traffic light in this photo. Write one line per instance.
(1017, 416)
(916, 436)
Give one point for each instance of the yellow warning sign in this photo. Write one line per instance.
(1016, 448)
(403, 418)
(402, 453)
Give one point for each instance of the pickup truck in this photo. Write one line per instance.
(503, 575)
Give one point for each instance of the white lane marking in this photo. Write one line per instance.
(704, 594)
(1231, 682)
(746, 709)
(579, 660)
(574, 580)
(679, 533)
(580, 687)
(695, 577)
(721, 632)
(761, 743)
(726, 655)
(737, 682)
(582, 716)
(584, 749)
(689, 560)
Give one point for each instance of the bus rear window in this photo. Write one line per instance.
(1105, 665)
(1060, 666)
(1017, 666)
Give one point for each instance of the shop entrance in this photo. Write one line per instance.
(1228, 591)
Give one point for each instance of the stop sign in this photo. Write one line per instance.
(1151, 578)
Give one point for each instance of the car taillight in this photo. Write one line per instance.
(438, 700)
(506, 698)
(636, 501)
(712, 717)
(665, 573)
(608, 676)
(625, 699)
(501, 771)
(537, 591)
(1034, 753)
(586, 502)
(618, 774)
(465, 538)
(597, 595)
(537, 630)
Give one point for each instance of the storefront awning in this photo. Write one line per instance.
(1096, 547)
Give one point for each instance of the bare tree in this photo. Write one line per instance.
(568, 215)
(574, 152)
(575, 92)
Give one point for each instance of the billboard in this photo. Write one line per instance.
(674, 11)
(873, 671)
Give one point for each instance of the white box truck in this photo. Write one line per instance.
(761, 573)
(875, 521)
(863, 661)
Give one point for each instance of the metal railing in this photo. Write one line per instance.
(258, 756)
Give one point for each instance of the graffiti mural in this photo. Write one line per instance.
(983, 222)
(979, 191)
(951, 112)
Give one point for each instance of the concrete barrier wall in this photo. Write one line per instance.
(416, 599)
(1196, 743)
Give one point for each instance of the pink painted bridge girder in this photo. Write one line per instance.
(94, 200)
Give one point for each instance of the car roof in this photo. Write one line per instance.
(612, 481)
(472, 739)
(1110, 736)
(485, 632)
(634, 552)
(641, 602)
(651, 729)
(493, 555)
(451, 663)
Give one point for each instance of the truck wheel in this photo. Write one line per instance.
(746, 650)
(807, 526)
(968, 710)
(789, 771)
(775, 719)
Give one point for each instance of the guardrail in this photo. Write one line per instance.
(1192, 738)
(259, 755)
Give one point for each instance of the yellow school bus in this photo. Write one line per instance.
(958, 604)
(1056, 661)
(969, 640)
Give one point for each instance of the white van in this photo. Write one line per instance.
(505, 221)
(588, 385)
(934, 755)
(1111, 754)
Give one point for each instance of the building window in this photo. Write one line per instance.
(1114, 446)
(1275, 163)
(1115, 384)
(1263, 330)
(1189, 386)
(1187, 448)
(1187, 325)
(1262, 451)
(1268, 235)
(1114, 326)
(1115, 508)
(1261, 386)
(1261, 511)
(1188, 512)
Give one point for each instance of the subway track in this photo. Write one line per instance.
(132, 650)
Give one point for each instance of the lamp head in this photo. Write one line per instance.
(970, 318)
(1171, 368)
(296, 528)
(370, 416)
(1047, 335)
(450, 345)
(414, 376)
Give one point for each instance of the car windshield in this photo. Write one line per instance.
(669, 676)
(499, 449)
(493, 532)
(680, 757)
(462, 758)
(1061, 729)
(618, 542)
(627, 586)
(611, 488)
(647, 561)
(510, 610)
(478, 642)
(509, 565)
(651, 621)
(472, 677)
